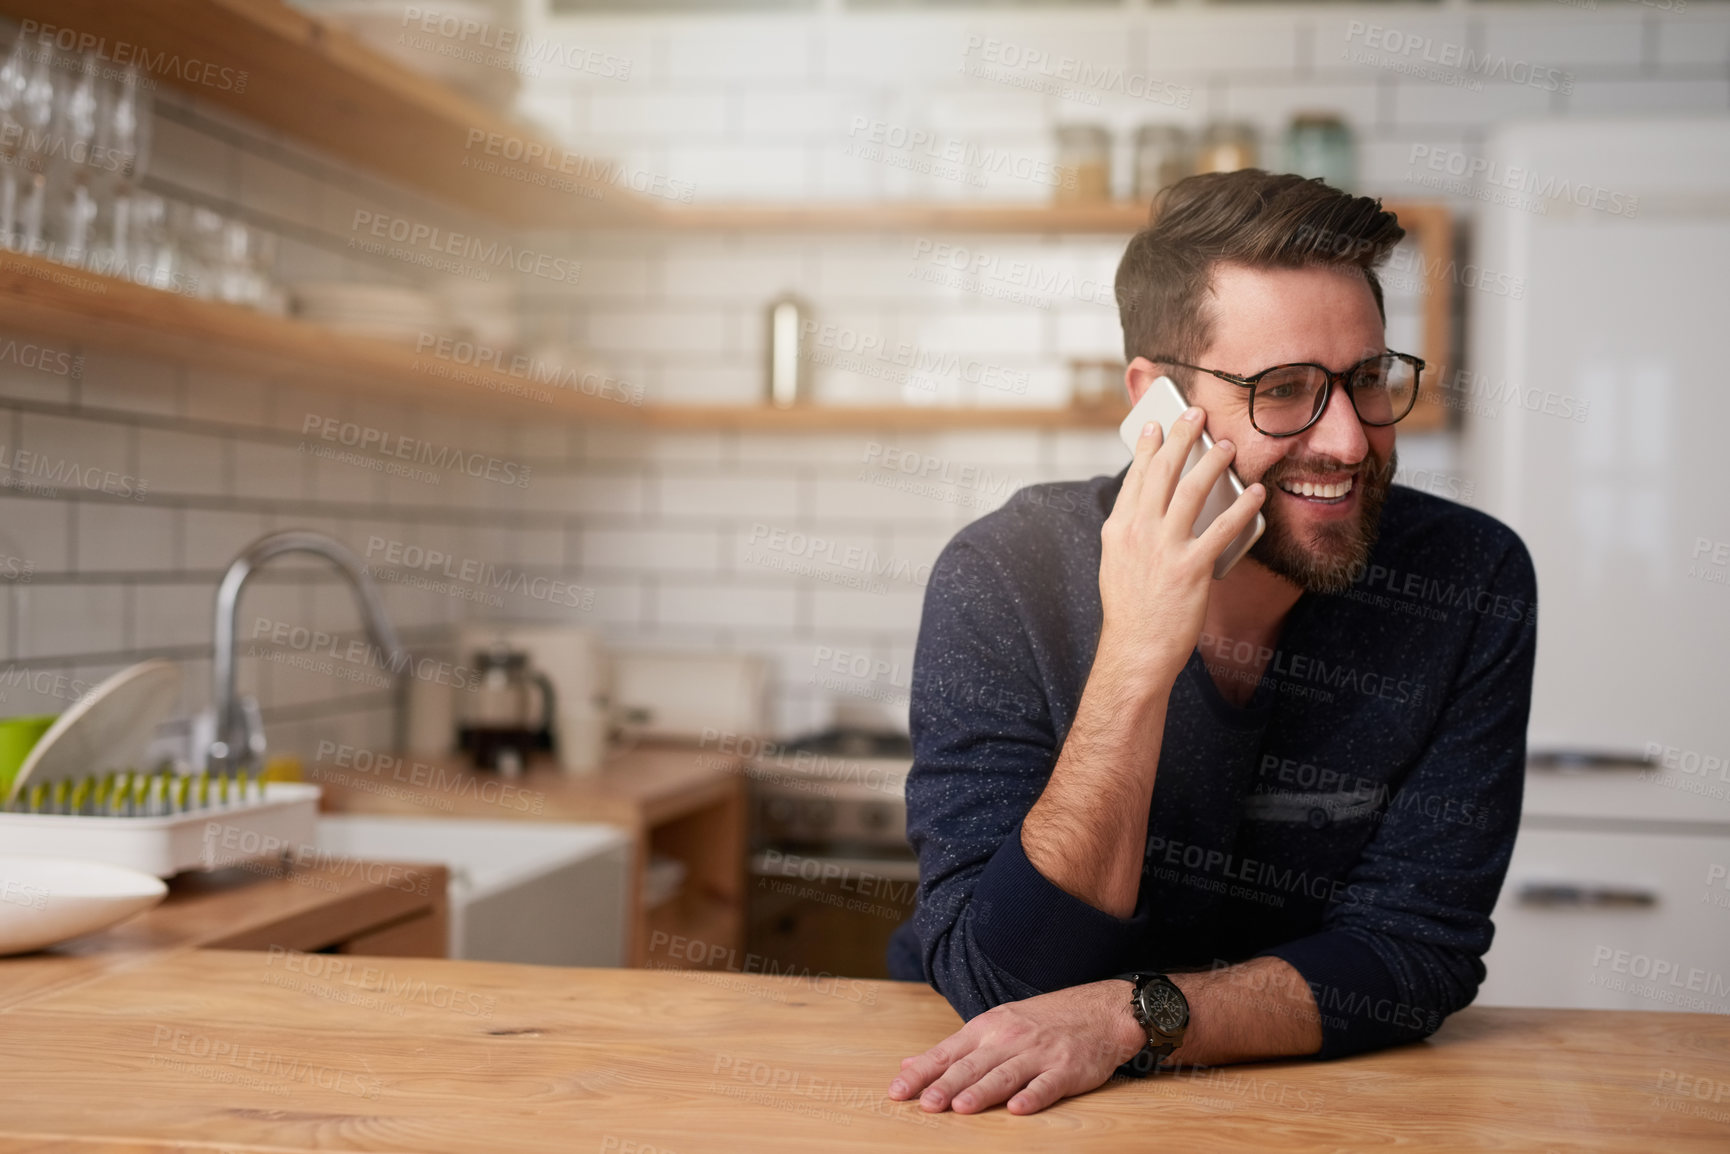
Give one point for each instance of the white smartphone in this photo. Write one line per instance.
(1162, 403)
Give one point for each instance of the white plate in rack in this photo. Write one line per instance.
(108, 730)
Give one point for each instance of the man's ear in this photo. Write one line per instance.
(1138, 376)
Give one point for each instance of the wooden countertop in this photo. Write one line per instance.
(251, 906)
(644, 786)
(204, 1048)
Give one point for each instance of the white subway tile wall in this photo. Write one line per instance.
(128, 483)
(811, 550)
(730, 107)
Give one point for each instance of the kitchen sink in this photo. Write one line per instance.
(542, 893)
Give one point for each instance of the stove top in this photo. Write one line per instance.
(838, 786)
(862, 743)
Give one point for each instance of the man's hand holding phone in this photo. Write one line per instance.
(1154, 573)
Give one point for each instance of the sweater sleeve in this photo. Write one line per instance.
(1390, 966)
(991, 928)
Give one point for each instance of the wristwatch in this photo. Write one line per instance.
(1163, 1012)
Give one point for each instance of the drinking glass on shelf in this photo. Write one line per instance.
(70, 171)
(75, 110)
(73, 228)
(247, 255)
(122, 126)
(14, 77)
(198, 239)
(151, 254)
(117, 157)
(36, 118)
(111, 233)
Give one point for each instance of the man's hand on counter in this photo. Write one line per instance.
(1031, 1053)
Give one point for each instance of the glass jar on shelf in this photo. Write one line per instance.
(1084, 163)
(1096, 383)
(1164, 154)
(1227, 146)
(1319, 144)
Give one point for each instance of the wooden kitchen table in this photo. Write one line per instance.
(229, 1050)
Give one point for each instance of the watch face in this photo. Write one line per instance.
(1165, 1007)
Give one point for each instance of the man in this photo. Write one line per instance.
(1164, 817)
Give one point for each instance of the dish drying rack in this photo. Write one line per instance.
(132, 793)
(162, 822)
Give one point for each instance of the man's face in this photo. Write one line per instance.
(1267, 317)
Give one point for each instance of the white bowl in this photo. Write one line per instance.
(47, 900)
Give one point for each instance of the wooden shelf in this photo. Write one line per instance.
(324, 88)
(844, 418)
(1431, 223)
(50, 299)
(1112, 218)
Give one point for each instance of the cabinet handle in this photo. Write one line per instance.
(1572, 895)
(1579, 760)
(895, 870)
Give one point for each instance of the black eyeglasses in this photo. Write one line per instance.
(1287, 399)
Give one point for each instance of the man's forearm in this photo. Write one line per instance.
(1259, 1009)
(1087, 833)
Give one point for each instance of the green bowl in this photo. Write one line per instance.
(18, 736)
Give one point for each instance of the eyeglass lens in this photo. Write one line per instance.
(1286, 399)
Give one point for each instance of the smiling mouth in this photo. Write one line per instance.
(1327, 494)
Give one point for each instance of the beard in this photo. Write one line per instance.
(1331, 558)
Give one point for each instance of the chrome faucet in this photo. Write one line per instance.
(236, 741)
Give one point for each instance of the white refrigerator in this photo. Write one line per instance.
(1597, 402)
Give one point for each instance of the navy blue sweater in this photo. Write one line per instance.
(1354, 818)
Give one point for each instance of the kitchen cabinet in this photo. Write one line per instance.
(1581, 905)
(334, 905)
(673, 801)
(1614, 876)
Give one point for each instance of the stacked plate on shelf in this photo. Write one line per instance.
(454, 42)
(484, 312)
(382, 312)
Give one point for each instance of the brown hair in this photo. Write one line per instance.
(1248, 217)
